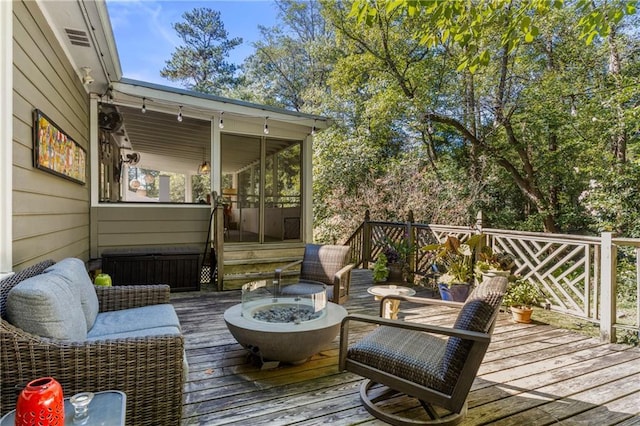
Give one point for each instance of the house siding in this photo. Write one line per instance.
(147, 226)
(50, 213)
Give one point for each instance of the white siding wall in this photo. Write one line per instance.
(50, 214)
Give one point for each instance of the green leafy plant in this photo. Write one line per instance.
(397, 251)
(522, 293)
(380, 269)
(454, 259)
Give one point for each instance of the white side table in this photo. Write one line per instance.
(391, 307)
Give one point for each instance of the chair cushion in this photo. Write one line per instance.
(75, 273)
(149, 332)
(134, 319)
(44, 305)
(322, 262)
(412, 355)
(304, 288)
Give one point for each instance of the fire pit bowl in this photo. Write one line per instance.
(257, 323)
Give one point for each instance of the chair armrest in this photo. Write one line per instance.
(427, 328)
(419, 300)
(116, 298)
(341, 283)
(343, 272)
(278, 273)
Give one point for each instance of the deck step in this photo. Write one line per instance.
(258, 275)
(282, 260)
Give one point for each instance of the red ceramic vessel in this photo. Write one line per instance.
(41, 402)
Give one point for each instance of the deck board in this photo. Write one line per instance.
(532, 374)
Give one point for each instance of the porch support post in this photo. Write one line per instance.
(94, 175)
(307, 189)
(217, 204)
(6, 137)
(608, 287)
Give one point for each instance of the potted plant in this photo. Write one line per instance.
(397, 254)
(454, 260)
(520, 297)
(490, 263)
(380, 269)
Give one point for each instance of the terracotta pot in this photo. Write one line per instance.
(454, 292)
(41, 402)
(521, 314)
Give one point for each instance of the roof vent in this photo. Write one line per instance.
(78, 37)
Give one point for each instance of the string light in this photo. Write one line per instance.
(180, 113)
(266, 126)
(220, 122)
(144, 105)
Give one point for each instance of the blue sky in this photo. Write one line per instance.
(145, 38)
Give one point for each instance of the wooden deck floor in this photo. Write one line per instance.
(532, 374)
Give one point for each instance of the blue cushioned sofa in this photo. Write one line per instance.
(56, 323)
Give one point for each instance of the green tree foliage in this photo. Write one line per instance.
(200, 63)
(290, 65)
(447, 107)
(529, 119)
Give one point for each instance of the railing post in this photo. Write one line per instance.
(479, 222)
(366, 240)
(608, 259)
(411, 242)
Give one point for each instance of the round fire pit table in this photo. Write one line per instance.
(290, 342)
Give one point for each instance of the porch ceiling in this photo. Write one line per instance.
(170, 145)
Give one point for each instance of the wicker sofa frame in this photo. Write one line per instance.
(149, 370)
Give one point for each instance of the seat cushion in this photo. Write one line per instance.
(44, 305)
(134, 319)
(75, 274)
(304, 288)
(147, 332)
(409, 354)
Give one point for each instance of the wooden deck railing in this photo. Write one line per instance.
(578, 274)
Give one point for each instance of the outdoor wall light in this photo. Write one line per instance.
(144, 105)
(86, 78)
(266, 126)
(220, 122)
(180, 113)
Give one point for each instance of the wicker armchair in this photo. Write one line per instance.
(410, 358)
(327, 264)
(149, 370)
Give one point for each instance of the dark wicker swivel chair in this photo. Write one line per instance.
(327, 264)
(408, 358)
(149, 370)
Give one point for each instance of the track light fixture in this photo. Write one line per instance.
(144, 105)
(266, 126)
(180, 113)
